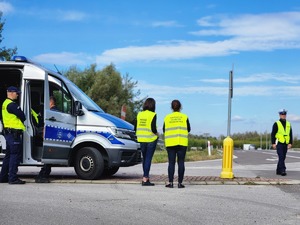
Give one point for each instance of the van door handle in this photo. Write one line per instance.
(52, 118)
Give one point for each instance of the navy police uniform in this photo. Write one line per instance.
(282, 138)
(13, 126)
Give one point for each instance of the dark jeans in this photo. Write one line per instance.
(180, 152)
(281, 152)
(148, 149)
(12, 158)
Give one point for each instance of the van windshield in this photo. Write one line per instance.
(79, 95)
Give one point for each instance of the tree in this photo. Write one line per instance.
(5, 53)
(108, 89)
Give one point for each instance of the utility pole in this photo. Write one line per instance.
(230, 95)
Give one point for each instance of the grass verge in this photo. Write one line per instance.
(162, 156)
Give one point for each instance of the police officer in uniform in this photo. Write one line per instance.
(147, 136)
(45, 171)
(13, 121)
(176, 128)
(283, 135)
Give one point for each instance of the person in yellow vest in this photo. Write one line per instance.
(283, 135)
(147, 136)
(176, 129)
(13, 122)
(35, 117)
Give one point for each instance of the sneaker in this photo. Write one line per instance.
(42, 180)
(283, 174)
(18, 181)
(147, 183)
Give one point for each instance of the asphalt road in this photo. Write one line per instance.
(86, 204)
(65, 203)
(263, 163)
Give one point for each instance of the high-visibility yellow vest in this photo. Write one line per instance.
(35, 116)
(283, 136)
(176, 132)
(143, 128)
(10, 120)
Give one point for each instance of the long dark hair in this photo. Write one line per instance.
(149, 104)
(176, 105)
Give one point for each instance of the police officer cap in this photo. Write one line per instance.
(13, 89)
(282, 112)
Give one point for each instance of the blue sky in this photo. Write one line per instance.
(176, 50)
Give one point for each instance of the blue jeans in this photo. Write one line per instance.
(148, 149)
(180, 152)
(12, 158)
(281, 152)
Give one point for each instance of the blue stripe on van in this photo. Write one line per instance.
(62, 134)
(111, 138)
(119, 123)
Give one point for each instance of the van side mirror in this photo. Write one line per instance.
(78, 109)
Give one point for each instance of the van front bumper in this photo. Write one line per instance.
(125, 157)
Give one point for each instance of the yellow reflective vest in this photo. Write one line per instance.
(35, 116)
(10, 120)
(143, 127)
(283, 136)
(176, 132)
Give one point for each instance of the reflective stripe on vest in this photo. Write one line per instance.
(10, 120)
(176, 132)
(282, 135)
(143, 129)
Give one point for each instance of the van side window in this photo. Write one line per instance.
(62, 96)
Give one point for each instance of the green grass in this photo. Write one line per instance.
(162, 156)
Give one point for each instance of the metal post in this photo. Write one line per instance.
(229, 101)
(228, 142)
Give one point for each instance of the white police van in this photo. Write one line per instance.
(78, 134)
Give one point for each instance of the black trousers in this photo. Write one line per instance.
(281, 152)
(180, 152)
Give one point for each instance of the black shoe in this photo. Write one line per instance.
(283, 174)
(18, 181)
(180, 185)
(42, 180)
(170, 185)
(4, 180)
(278, 173)
(147, 183)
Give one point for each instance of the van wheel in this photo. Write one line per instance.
(110, 171)
(89, 163)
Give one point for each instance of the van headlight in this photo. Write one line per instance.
(123, 133)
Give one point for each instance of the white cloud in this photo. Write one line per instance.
(242, 91)
(63, 58)
(170, 23)
(258, 78)
(276, 26)
(6, 7)
(261, 32)
(294, 118)
(237, 118)
(72, 15)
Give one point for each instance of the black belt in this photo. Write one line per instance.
(12, 131)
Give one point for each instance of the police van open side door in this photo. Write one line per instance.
(60, 124)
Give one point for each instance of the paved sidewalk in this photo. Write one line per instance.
(163, 179)
(196, 173)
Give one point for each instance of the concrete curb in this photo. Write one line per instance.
(163, 179)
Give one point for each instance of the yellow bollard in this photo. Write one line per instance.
(227, 158)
